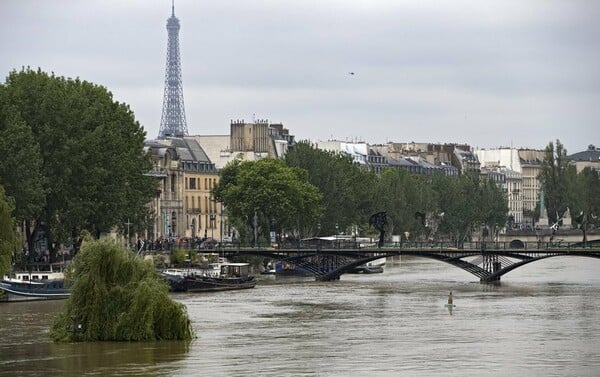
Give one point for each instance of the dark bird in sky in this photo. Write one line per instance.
(351, 73)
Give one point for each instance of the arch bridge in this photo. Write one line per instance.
(487, 264)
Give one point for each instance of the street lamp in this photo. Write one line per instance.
(255, 222)
(212, 226)
(337, 227)
(128, 224)
(318, 236)
(221, 224)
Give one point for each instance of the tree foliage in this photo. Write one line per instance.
(558, 179)
(468, 202)
(491, 204)
(348, 190)
(7, 234)
(351, 194)
(456, 196)
(81, 152)
(279, 196)
(20, 168)
(402, 194)
(589, 195)
(116, 296)
(586, 208)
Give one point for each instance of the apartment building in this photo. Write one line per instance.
(248, 141)
(531, 165)
(589, 158)
(183, 205)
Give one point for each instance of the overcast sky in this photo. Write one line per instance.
(486, 73)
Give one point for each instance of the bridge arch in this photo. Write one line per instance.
(487, 265)
(490, 266)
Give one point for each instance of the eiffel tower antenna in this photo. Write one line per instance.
(172, 122)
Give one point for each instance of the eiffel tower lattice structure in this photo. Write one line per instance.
(173, 121)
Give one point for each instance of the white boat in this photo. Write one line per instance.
(40, 282)
(208, 270)
(231, 276)
(372, 267)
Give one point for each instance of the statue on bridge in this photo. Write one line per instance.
(379, 221)
(582, 221)
(430, 221)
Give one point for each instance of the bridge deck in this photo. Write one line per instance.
(487, 264)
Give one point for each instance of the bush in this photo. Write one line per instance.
(178, 257)
(116, 296)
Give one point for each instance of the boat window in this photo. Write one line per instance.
(35, 277)
(44, 277)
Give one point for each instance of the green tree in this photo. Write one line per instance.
(492, 205)
(116, 296)
(279, 196)
(91, 155)
(20, 168)
(7, 234)
(421, 199)
(468, 202)
(558, 178)
(586, 210)
(348, 190)
(403, 194)
(455, 195)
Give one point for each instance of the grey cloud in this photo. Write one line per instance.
(483, 73)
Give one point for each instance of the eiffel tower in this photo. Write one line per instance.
(172, 121)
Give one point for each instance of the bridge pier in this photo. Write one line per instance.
(490, 279)
(491, 265)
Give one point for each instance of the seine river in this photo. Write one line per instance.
(543, 320)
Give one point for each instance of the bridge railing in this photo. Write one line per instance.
(488, 245)
(444, 245)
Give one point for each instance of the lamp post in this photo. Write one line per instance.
(255, 222)
(221, 224)
(212, 226)
(128, 224)
(337, 227)
(318, 236)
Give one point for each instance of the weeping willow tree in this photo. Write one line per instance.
(116, 296)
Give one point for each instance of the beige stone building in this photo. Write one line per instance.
(187, 168)
(531, 165)
(521, 168)
(505, 161)
(589, 158)
(183, 205)
(247, 141)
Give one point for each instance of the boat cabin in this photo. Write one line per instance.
(235, 270)
(39, 273)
